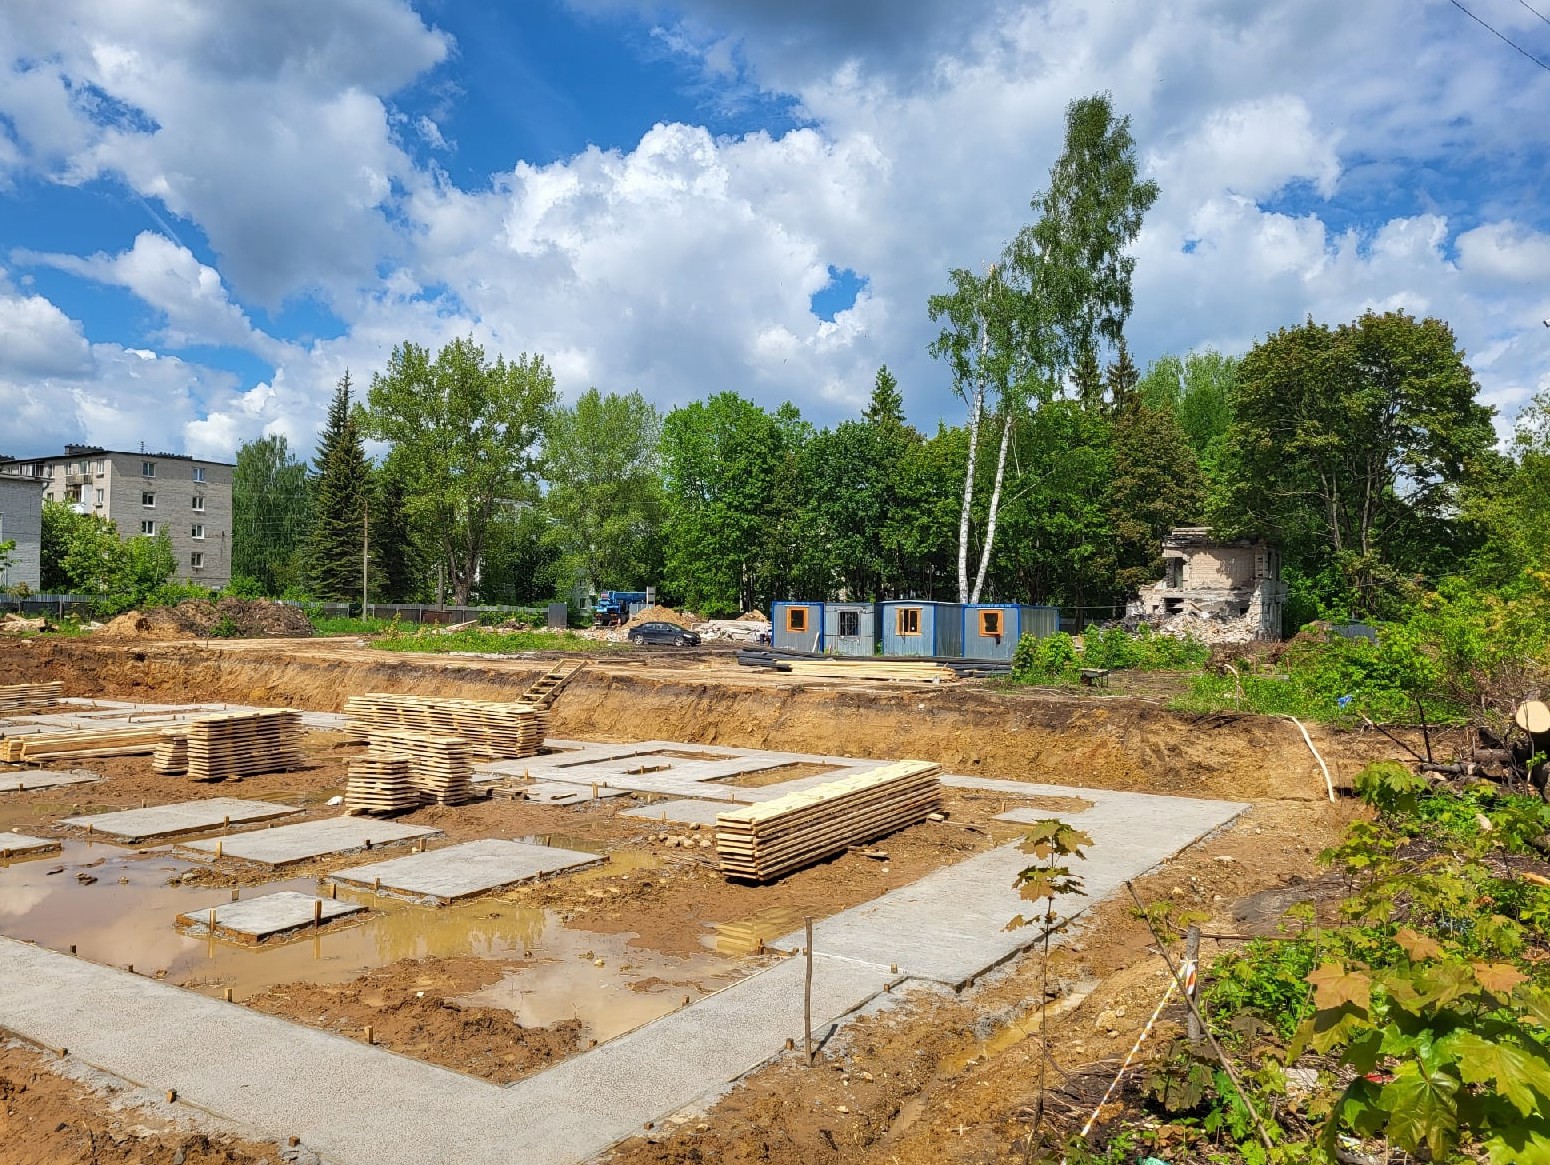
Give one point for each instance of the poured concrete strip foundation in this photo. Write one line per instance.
(44, 779)
(347, 1100)
(680, 812)
(555, 793)
(157, 821)
(440, 876)
(19, 845)
(307, 840)
(268, 916)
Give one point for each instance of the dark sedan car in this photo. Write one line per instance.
(663, 633)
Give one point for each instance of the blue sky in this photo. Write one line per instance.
(207, 216)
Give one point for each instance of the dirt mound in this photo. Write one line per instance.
(229, 618)
(754, 617)
(663, 615)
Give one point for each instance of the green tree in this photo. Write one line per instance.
(721, 458)
(604, 500)
(1509, 505)
(340, 496)
(464, 434)
(85, 555)
(1156, 485)
(270, 513)
(1061, 296)
(1198, 390)
(397, 566)
(1349, 446)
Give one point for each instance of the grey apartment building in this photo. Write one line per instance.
(146, 493)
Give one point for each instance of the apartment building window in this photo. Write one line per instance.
(147, 469)
(148, 527)
(48, 471)
(196, 560)
(199, 530)
(199, 503)
(99, 497)
(199, 474)
(148, 499)
(96, 467)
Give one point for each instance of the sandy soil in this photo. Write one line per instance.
(905, 1086)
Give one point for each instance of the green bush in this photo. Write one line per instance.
(1056, 659)
(1046, 660)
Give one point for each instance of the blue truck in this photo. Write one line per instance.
(613, 607)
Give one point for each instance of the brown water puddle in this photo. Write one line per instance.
(125, 918)
(750, 935)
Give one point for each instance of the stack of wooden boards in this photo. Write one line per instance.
(232, 745)
(770, 840)
(380, 785)
(29, 697)
(171, 755)
(491, 730)
(440, 766)
(73, 745)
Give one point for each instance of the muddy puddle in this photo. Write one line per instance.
(751, 935)
(117, 906)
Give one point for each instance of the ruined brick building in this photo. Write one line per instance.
(1221, 590)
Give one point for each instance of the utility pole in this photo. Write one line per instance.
(365, 555)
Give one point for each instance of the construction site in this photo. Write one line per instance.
(269, 900)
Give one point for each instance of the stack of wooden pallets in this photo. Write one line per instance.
(493, 730)
(72, 745)
(440, 766)
(770, 840)
(380, 785)
(233, 745)
(29, 697)
(171, 755)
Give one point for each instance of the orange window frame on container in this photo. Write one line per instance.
(991, 624)
(907, 621)
(796, 618)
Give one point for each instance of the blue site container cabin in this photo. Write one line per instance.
(918, 627)
(991, 630)
(851, 628)
(797, 626)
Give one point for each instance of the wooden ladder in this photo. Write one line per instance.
(542, 692)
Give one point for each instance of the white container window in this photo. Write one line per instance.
(148, 499)
(148, 527)
(199, 530)
(147, 469)
(199, 503)
(199, 474)
(196, 560)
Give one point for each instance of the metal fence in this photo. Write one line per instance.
(61, 605)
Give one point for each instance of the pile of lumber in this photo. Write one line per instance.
(492, 730)
(440, 766)
(233, 745)
(380, 785)
(171, 755)
(770, 840)
(785, 660)
(80, 745)
(29, 697)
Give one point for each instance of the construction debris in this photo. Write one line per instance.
(767, 841)
(489, 730)
(29, 697)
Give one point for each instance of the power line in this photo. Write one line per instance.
(1501, 36)
(1535, 11)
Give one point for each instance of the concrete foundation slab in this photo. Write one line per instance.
(558, 793)
(19, 845)
(463, 871)
(684, 812)
(269, 916)
(158, 821)
(964, 908)
(44, 779)
(306, 840)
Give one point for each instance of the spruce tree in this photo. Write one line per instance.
(340, 492)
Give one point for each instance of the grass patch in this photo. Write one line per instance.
(484, 642)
